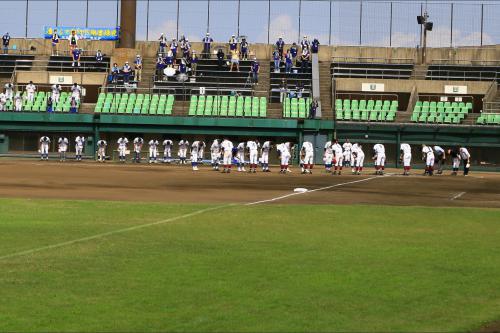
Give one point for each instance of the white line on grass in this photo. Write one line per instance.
(172, 219)
(457, 195)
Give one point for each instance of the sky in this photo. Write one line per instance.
(282, 17)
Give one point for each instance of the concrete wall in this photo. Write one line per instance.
(41, 77)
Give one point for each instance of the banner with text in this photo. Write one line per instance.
(83, 33)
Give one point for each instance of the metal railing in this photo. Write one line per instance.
(473, 62)
(374, 60)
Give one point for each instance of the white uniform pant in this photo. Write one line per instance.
(55, 98)
(101, 153)
(456, 163)
(194, 156)
(2, 106)
(9, 95)
(309, 158)
(167, 153)
(44, 149)
(153, 152)
(328, 159)
(285, 158)
(201, 152)
(62, 149)
(182, 152)
(31, 96)
(265, 157)
(429, 160)
(406, 160)
(76, 96)
(241, 157)
(380, 160)
(339, 160)
(358, 161)
(19, 105)
(227, 158)
(121, 151)
(214, 157)
(78, 150)
(254, 157)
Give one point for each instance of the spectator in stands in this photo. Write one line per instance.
(55, 43)
(3, 101)
(193, 61)
(233, 43)
(115, 71)
(18, 102)
(294, 51)
(98, 56)
(244, 49)
(276, 59)
(30, 92)
(280, 45)
(76, 91)
(283, 90)
(126, 70)
(288, 62)
(173, 47)
(163, 43)
(9, 91)
(220, 59)
(235, 61)
(49, 104)
(6, 42)
(160, 66)
(315, 46)
(183, 68)
(73, 40)
(187, 49)
(169, 59)
(73, 108)
(304, 44)
(56, 93)
(255, 70)
(138, 68)
(313, 109)
(75, 53)
(300, 89)
(207, 41)
(304, 60)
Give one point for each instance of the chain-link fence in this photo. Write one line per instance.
(376, 23)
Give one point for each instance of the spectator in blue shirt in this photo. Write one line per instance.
(187, 49)
(5, 42)
(294, 52)
(244, 49)
(288, 62)
(207, 41)
(304, 60)
(173, 47)
(233, 43)
(315, 46)
(304, 44)
(255, 70)
(76, 57)
(169, 59)
(163, 43)
(280, 44)
(193, 61)
(160, 66)
(73, 105)
(98, 56)
(114, 72)
(276, 59)
(183, 67)
(138, 68)
(49, 104)
(126, 72)
(55, 43)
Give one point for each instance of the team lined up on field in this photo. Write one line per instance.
(251, 153)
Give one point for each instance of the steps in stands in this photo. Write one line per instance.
(148, 70)
(263, 87)
(403, 117)
(419, 72)
(41, 62)
(87, 108)
(325, 88)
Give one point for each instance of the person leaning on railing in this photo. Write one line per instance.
(55, 43)
(193, 61)
(207, 42)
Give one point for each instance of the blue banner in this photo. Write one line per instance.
(83, 33)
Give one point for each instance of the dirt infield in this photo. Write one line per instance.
(172, 183)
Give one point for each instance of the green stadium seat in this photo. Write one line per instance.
(347, 115)
(240, 101)
(224, 106)
(209, 105)
(339, 115)
(216, 106)
(255, 107)
(294, 110)
(263, 107)
(231, 112)
(302, 108)
(364, 115)
(193, 105)
(356, 115)
(200, 109)
(247, 108)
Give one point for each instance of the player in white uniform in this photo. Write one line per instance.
(328, 156)
(182, 153)
(122, 148)
(18, 102)
(9, 91)
(338, 156)
(227, 153)
(3, 101)
(167, 150)
(56, 92)
(307, 151)
(348, 159)
(30, 92)
(379, 158)
(79, 142)
(240, 156)
(44, 148)
(405, 157)
(215, 154)
(62, 143)
(101, 150)
(153, 150)
(465, 157)
(253, 153)
(138, 142)
(195, 150)
(76, 91)
(359, 158)
(440, 158)
(454, 153)
(264, 155)
(285, 154)
(428, 158)
(201, 151)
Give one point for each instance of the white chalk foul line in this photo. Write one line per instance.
(457, 195)
(113, 232)
(172, 219)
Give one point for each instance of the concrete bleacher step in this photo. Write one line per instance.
(403, 117)
(325, 89)
(40, 63)
(87, 108)
(148, 70)
(262, 89)
(419, 72)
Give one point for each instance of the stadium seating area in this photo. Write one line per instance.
(363, 110)
(228, 106)
(440, 112)
(294, 81)
(371, 70)
(10, 61)
(144, 104)
(296, 107)
(489, 119)
(87, 64)
(40, 103)
(463, 73)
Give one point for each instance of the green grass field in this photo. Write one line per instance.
(259, 268)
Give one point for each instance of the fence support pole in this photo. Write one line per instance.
(300, 10)
(177, 26)
(390, 28)
(208, 16)
(330, 26)
(26, 26)
(482, 22)
(451, 25)
(360, 19)
(268, 20)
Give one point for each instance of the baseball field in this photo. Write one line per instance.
(97, 248)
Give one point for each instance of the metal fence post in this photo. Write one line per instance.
(268, 21)
(330, 26)
(482, 22)
(117, 10)
(300, 10)
(87, 15)
(26, 26)
(239, 18)
(208, 16)
(360, 19)
(177, 26)
(451, 25)
(390, 28)
(147, 20)
(57, 13)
